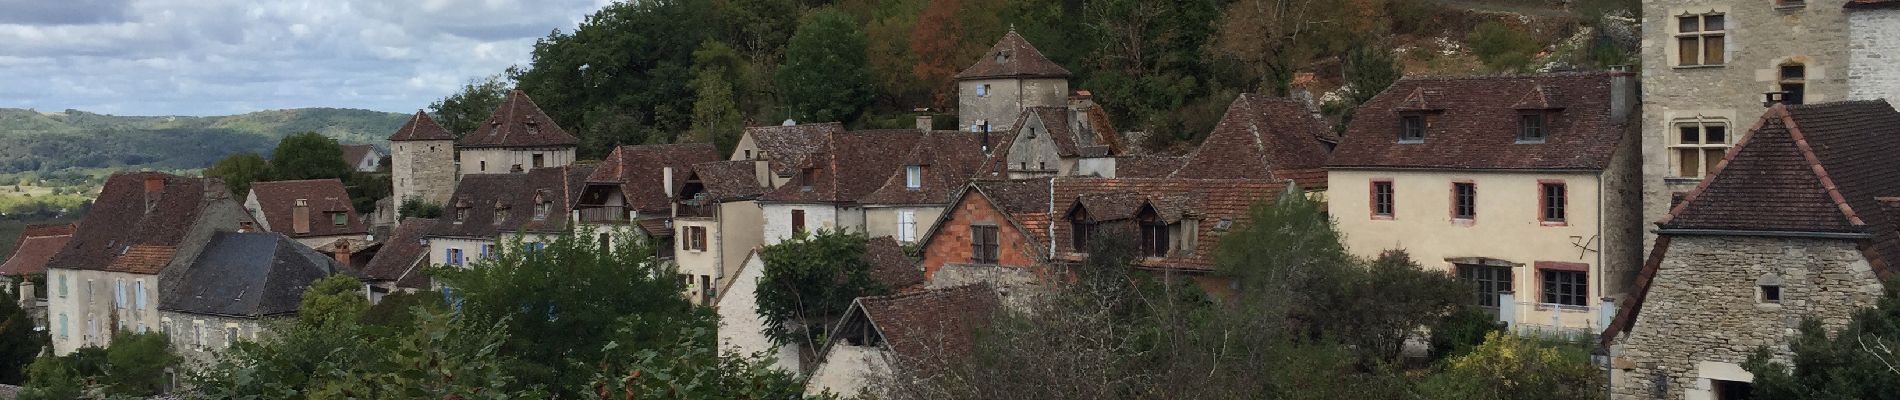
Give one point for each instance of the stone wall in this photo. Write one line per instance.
(1873, 47)
(1704, 315)
(422, 169)
(199, 338)
(1005, 100)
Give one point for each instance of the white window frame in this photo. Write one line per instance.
(1702, 35)
(1703, 149)
(913, 177)
(906, 226)
(138, 294)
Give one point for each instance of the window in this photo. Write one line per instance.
(1032, 132)
(983, 90)
(339, 219)
(482, 165)
(1411, 128)
(454, 256)
(461, 214)
(1554, 198)
(1491, 280)
(906, 226)
(488, 251)
(1771, 293)
(798, 220)
(539, 161)
(138, 294)
(62, 286)
(1698, 147)
(542, 209)
(1564, 287)
(914, 177)
(118, 293)
(983, 244)
(706, 290)
(1794, 79)
(1730, 390)
(1382, 199)
(501, 215)
(1530, 128)
(1082, 229)
(230, 335)
(1699, 39)
(198, 332)
(806, 178)
(696, 238)
(1464, 203)
(62, 326)
(1154, 238)
(1790, 3)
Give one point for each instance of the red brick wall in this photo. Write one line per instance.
(952, 242)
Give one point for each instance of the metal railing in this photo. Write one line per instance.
(1568, 322)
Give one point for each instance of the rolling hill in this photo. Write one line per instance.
(33, 140)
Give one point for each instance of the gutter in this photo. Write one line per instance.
(1736, 232)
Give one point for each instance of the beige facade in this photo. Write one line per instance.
(906, 223)
(1706, 65)
(729, 235)
(996, 102)
(423, 169)
(495, 160)
(85, 307)
(850, 370)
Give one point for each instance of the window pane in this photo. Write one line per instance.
(1712, 50)
(1688, 24)
(1687, 162)
(1688, 134)
(1713, 22)
(1795, 71)
(1687, 48)
(1717, 134)
(1711, 158)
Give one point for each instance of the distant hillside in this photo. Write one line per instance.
(50, 141)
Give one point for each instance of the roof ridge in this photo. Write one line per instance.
(1819, 169)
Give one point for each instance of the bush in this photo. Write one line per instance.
(1502, 48)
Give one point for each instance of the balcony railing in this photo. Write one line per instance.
(687, 210)
(603, 214)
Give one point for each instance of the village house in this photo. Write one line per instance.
(913, 333)
(718, 220)
(996, 230)
(633, 190)
(362, 157)
(516, 137)
(926, 178)
(422, 162)
(37, 245)
(488, 210)
(399, 266)
(1797, 223)
(1174, 224)
(1008, 79)
(1708, 66)
(238, 282)
(825, 190)
(742, 330)
(1263, 138)
(140, 237)
(1071, 140)
(1524, 185)
(1873, 30)
(315, 212)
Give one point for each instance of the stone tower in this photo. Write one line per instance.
(517, 137)
(422, 161)
(1010, 77)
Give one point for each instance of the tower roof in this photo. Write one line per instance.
(518, 122)
(1013, 57)
(421, 127)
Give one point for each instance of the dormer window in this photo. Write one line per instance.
(339, 219)
(501, 215)
(1411, 128)
(1002, 57)
(914, 177)
(1154, 237)
(541, 207)
(461, 215)
(1530, 127)
(1081, 229)
(806, 178)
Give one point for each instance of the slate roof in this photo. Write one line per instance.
(1472, 123)
(483, 194)
(640, 172)
(518, 122)
(789, 147)
(353, 154)
(949, 159)
(1147, 166)
(130, 230)
(402, 255)
(37, 245)
(1013, 57)
(421, 127)
(1263, 138)
(889, 265)
(277, 201)
(848, 166)
(1209, 200)
(727, 180)
(248, 275)
(1872, 4)
(923, 325)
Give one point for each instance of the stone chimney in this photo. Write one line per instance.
(1625, 96)
(666, 180)
(923, 120)
(343, 254)
(300, 217)
(247, 227)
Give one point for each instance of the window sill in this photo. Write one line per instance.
(1562, 308)
(1464, 221)
(1703, 66)
(1794, 6)
(1377, 217)
(1411, 141)
(1554, 223)
(1681, 180)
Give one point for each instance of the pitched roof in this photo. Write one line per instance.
(138, 221)
(36, 246)
(727, 180)
(277, 201)
(517, 122)
(949, 159)
(640, 171)
(248, 275)
(1211, 201)
(483, 195)
(1872, 4)
(848, 166)
(1024, 202)
(402, 255)
(1472, 123)
(789, 147)
(924, 325)
(353, 154)
(1262, 138)
(1013, 57)
(889, 265)
(1084, 137)
(421, 127)
(1147, 166)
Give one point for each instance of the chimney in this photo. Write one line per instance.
(154, 187)
(1770, 99)
(247, 227)
(923, 120)
(1624, 95)
(300, 217)
(343, 254)
(26, 294)
(666, 178)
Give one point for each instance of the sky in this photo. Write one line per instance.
(221, 57)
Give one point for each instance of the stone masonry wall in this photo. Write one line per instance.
(1873, 47)
(422, 169)
(1703, 315)
(1005, 100)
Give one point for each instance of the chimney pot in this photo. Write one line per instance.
(300, 217)
(924, 123)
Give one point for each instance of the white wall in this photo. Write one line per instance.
(741, 330)
(75, 306)
(778, 219)
(1873, 43)
(848, 370)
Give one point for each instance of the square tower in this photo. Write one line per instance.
(1011, 77)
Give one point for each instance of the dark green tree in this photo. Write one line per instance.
(419, 208)
(367, 188)
(461, 112)
(19, 344)
(239, 170)
(826, 76)
(693, 367)
(136, 363)
(308, 155)
(624, 76)
(716, 116)
(332, 300)
(1509, 367)
(1861, 361)
(1369, 70)
(809, 282)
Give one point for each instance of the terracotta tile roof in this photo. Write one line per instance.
(949, 160)
(1025, 202)
(1262, 138)
(353, 154)
(640, 171)
(402, 255)
(889, 265)
(421, 127)
(656, 227)
(36, 246)
(1013, 57)
(277, 201)
(1147, 166)
(518, 122)
(790, 147)
(848, 166)
(483, 195)
(248, 275)
(927, 324)
(1108, 206)
(1472, 123)
(1872, 4)
(727, 180)
(1210, 200)
(131, 229)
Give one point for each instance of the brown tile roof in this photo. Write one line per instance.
(1472, 124)
(277, 201)
(1013, 57)
(790, 147)
(727, 180)
(1073, 138)
(949, 160)
(1108, 206)
(640, 171)
(1025, 202)
(482, 195)
(353, 154)
(926, 324)
(1872, 4)
(1211, 200)
(402, 255)
(889, 265)
(36, 246)
(1147, 166)
(421, 127)
(848, 166)
(1262, 138)
(131, 229)
(518, 122)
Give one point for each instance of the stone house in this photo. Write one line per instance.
(1797, 223)
(825, 190)
(914, 193)
(399, 265)
(1071, 140)
(362, 157)
(994, 228)
(633, 191)
(1707, 67)
(488, 210)
(143, 234)
(422, 161)
(517, 137)
(908, 333)
(1453, 166)
(778, 151)
(1873, 43)
(315, 212)
(1007, 80)
(717, 219)
(234, 285)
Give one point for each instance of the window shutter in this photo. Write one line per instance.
(139, 288)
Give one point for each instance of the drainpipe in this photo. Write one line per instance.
(1603, 276)
(1052, 219)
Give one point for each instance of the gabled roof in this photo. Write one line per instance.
(889, 265)
(421, 127)
(727, 180)
(1024, 202)
(482, 195)
(518, 122)
(1074, 137)
(848, 166)
(402, 255)
(949, 159)
(1109, 206)
(277, 201)
(639, 170)
(1212, 201)
(1013, 57)
(248, 275)
(925, 327)
(138, 222)
(1262, 138)
(1472, 123)
(353, 154)
(37, 245)
(790, 147)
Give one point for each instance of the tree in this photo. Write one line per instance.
(1861, 361)
(1501, 47)
(1507, 367)
(332, 300)
(826, 76)
(18, 342)
(239, 170)
(461, 112)
(691, 368)
(624, 76)
(132, 366)
(367, 188)
(809, 281)
(419, 208)
(716, 117)
(308, 155)
(1369, 70)
(444, 355)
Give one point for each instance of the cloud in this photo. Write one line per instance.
(210, 57)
